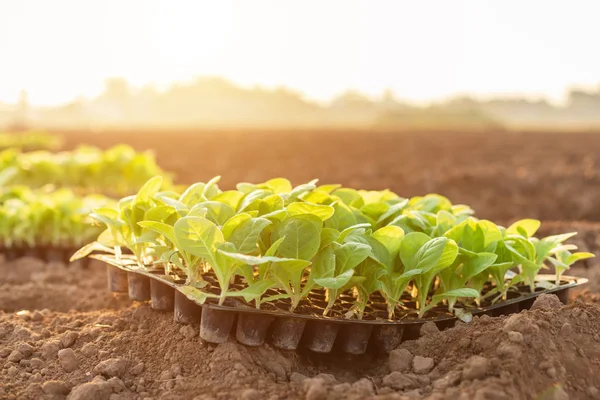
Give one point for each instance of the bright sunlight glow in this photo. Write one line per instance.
(422, 50)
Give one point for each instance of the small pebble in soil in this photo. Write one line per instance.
(315, 389)
(137, 369)
(37, 316)
(277, 369)
(68, 360)
(165, 375)
(250, 394)
(429, 329)
(5, 352)
(116, 384)
(36, 363)
(399, 381)
(297, 377)
(464, 342)
(476, 367)
(515, 337)
(50, 349)
(24, 315)
(26, 349)
(97, 390)
(12, 371)
(89, 349)
(55, 388)
(400, 360)
(422, 365)
(364, 387)
(566, 329)
(452, 378)
(111, 367)
(176, 369)
(15, 356)
(103, 353)
(188, 332)
(68, 338)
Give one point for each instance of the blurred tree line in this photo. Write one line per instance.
(216, 102)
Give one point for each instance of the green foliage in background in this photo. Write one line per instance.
(29, 141)
(33, 218)
(117, 171)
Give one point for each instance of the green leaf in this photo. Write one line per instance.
(391, 237)
(342, 218)
(193, 194)
(300, 208)
(335, 282)
(349, 255)
(323, 266)
(525, 227)
(349, 197)
(219, 213)
(211, 189)
(477, 264)
(89, 249)
(160, 213)
(166, 230)
(410, 246)
(233, 223)
(254, 260)
(150, 188)
(199, 237)
(328, 236)
(270, 205)
(463, 292)
(230, 197)
(253, 291)
(194, 294)
(302, 236)
(245, 236)
(573, 258)
(279, 185)
(274, 247)
(351, 230)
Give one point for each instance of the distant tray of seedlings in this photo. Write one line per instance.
(321, 266)
(29, 140)
(46, 225)
(115, 172)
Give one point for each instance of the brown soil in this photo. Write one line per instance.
(78, 341)
(499, 174)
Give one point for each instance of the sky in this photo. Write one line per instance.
(424, 50)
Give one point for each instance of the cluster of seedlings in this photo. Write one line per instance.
(118, 171)
(275, 245)
(29, 141)
(46, 198)
(46, 224)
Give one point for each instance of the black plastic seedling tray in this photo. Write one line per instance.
(46, 253)
(288, 331)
